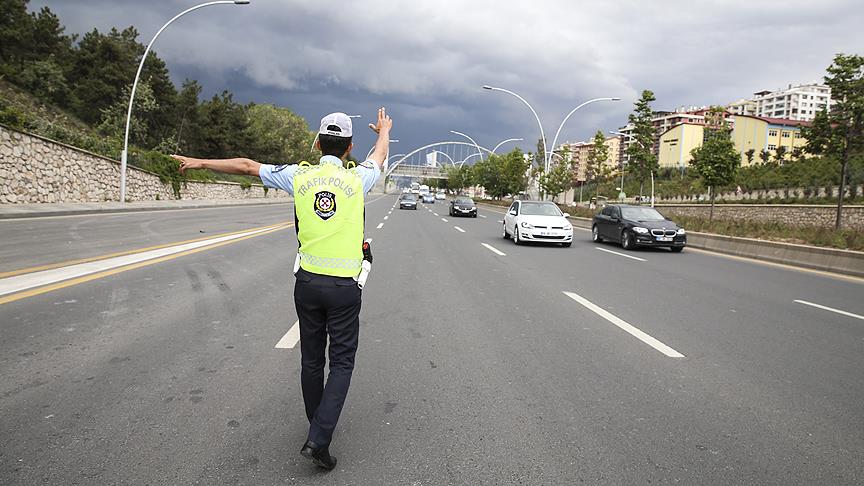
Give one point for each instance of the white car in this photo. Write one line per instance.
(539, 221)
(440, 196)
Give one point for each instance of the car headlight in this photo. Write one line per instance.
(526, 225)
(640, 230)
(567, 227)
(681, 231)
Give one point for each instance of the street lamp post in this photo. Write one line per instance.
(373, 148)
(561, 126)
(622, 164)
(502, 142)
(480, 152)
(539, 124)
(124, 154)
(462, 162)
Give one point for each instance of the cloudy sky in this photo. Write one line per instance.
(426, 61)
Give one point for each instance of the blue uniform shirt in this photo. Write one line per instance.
(282, 176)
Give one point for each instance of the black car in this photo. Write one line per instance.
(408, 201)
(634, 226)
(463, 206)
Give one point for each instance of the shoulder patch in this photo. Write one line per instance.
(279, 168)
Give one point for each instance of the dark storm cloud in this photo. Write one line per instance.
(426, 61)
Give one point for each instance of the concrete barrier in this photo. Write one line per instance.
(826, 259)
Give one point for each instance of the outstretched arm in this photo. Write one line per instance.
(228, 166)
(382, 146)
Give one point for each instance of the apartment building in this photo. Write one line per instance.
(796, 102)
(578, 155)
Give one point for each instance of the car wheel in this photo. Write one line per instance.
(595, 235)
(506, 235)
(627, 241)
(516, 239)
(475, 215)
(676, 249)
(566, 245)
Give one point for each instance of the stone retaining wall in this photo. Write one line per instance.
(791, 214)
(35, 169)
(767, 194)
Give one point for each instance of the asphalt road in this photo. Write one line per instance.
(474, 367)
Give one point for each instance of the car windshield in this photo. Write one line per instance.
(641, 214)
(464, 200)
(409, 197)
(540, 209)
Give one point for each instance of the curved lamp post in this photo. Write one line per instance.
(502, 142)
(373, 148)
(462, 162)
(561, 126)
(445, 155)
(124, 154)
(540, 125)
(480, 152)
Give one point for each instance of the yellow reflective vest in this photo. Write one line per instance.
(328, 201)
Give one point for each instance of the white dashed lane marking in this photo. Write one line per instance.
(380, 225)
(620, 254)
(289, 340)
(831, 309)
(494, 250)
(444, 219)
(459, 229)
(629, 328)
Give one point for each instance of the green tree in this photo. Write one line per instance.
(277, 135)
(459, 177)
(557, 180)
(502, 174)
(597, 156)
(780, 154)
(716, 162)
(840, 132)
(187, 110)
(113, 117)
(643, 161)
(749, 155)
(765, 156)
(224, 128)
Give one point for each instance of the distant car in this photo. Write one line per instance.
(408, 201)
(635, 226)
(428, 199)
(539, 221)
(463, 206)
(406, 191)
(440, 196)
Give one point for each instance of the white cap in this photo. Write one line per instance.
(339, 120)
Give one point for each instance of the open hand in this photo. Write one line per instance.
(384, 122)
(186, 163)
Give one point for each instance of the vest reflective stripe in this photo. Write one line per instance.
(328, 201)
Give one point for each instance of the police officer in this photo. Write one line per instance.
(329, 213)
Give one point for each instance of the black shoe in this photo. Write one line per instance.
(320, 456)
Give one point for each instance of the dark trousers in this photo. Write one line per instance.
(326, 306)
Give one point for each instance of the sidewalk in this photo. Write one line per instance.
(12, 211)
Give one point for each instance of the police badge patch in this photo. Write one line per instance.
(325, 204)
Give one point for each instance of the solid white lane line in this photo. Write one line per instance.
(620, 254)
(484, 217)
(289, 340)
(46, 277)
(459, 229)
(830, 309)
(385, 218)
(636, 332)
(444, 219)
(379, 225)
(494, 250)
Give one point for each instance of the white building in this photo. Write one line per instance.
(796, 102)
